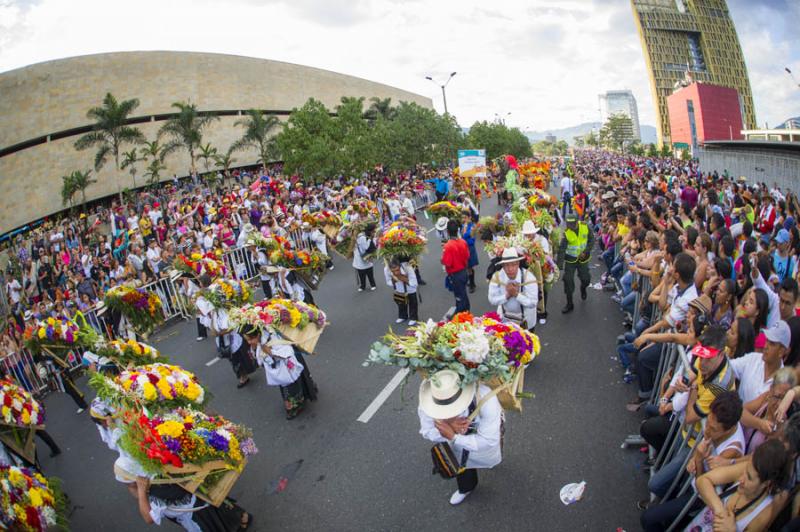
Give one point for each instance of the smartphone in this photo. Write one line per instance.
(685, 380)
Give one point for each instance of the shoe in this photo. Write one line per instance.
(373, 288)
(603, 278)
(79, 411)
(615, 298)
(471, 289)
(331, 268)
(635, 405)
(411, 323)
(567, 309)
(360, 289)
(243, 383)
(583, 293)
(421, 282)
(458, 497)
(200, 338)
(399, 320)
(542, 321)
(643, 505)
(55, 453)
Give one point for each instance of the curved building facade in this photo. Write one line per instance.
(44, 111)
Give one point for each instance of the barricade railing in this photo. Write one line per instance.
(241, 264)
(36, 378)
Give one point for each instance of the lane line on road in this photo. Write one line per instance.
(213, 361)
(383, 396)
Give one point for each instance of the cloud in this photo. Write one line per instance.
(545, 61)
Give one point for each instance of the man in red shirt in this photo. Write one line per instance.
(455, 256)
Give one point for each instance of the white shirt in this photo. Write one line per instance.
(566, 185)
(523, 303)
(774, 314)
(483, 446)
(153, 257)
(679, 303)
(319, 240)
(362, 243)
(408, 206)
(13, 288)
(749, 369)
(399, 286)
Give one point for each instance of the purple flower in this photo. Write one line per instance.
(248, 447)
(217, 441)
(172, 444)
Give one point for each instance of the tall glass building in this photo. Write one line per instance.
(621, 102)
(696, 36)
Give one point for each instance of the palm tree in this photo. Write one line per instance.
(68, 190)
(130, 159)
(81, 181)
(185, 130)
(109, 131)
(225, 161)
(381, 107)
(207, 153)
(153, 171)
(258, 134)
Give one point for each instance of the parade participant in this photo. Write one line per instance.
(362, 257)
(284, 366)
(514, 290)
(230, 345)
(266, 274)
(445, 407)
(575, 250)
(533, 233)
(292, 286)
(402, 279)
(318, 238)
(468, 234)
(455, 258)
(441, 228)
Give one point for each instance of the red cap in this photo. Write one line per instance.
(701, 351)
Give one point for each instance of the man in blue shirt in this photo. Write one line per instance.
(442, 187)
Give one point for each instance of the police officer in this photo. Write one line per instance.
(575, 249)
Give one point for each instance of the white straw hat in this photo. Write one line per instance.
(509, 255)
(441, 396)
(529, 228)
(441, 223)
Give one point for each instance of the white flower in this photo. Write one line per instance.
(474, 345)
(425, 330)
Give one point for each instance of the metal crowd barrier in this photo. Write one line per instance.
(36, 378)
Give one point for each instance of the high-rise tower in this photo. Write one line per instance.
(621, 102)
(695, 36)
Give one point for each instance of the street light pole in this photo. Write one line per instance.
(442, 86)
(793, 78)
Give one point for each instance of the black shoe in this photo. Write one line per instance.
(567, 309)
(471, 289)
(421, 282)
(583, 293)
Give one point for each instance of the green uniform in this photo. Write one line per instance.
(575, 250)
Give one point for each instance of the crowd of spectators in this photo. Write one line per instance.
(706, 265)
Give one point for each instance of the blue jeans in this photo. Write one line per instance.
(647, 365)
(661, 481)
(608, 258)
(625, 351)
(459, 282)
(628, 302)
(627, 283)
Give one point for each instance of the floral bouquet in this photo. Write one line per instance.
(18, 408)
(300, 259)
(447, 208)
(142, 308)
(322, 218)
(488, 226)
(478, 348)
(402, 242)
(58, 335)
(364, 207)
(29, 501)
(345, 240)
(195, 449)
(155, 386)
(227, 293)
(299, 322)
(130, 353)
(197, 265)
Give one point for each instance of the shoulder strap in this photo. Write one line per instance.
(485, 398)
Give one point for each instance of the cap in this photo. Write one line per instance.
(701, 351)
(783, 236)
(780, 333)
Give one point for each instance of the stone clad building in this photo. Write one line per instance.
(43, 109)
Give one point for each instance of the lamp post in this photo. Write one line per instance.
(442, 86)
(501, 119)
(792, 75)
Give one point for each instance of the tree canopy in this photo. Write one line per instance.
(498, 139)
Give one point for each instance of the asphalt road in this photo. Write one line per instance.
(327, 471)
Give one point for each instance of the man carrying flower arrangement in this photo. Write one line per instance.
(450, 413)
(514, 290)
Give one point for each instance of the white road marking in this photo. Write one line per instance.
(213, 361)
(383, 396)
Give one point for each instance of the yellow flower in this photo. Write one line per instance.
(149, 391)
(42, 333)
(6, 413)
(294, 317)
(127, 384)
(536, 345)
(16, 477)
(163, 387)
(26, 417)
(192, 391)
(35, 496)
(51, 321)
(173, 429)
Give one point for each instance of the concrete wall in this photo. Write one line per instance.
(54, 96)
(758, 165)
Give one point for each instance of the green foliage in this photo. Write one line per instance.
(616, 132)
(185, 130)
(153, 172)
(259, 133)
(549, 149)
(73, 183)
(129, 160)
(498, 139)
(686, 156)
(666, 150)
(636, 148)
(207, 154)
(109, 131)
(652, 151)
(225, 160)
(592, 140)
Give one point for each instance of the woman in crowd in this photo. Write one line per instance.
(740, 338)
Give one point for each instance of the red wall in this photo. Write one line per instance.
(716, 111)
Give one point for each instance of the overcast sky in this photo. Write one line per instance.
(543, 61)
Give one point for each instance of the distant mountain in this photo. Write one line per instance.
(569, 133)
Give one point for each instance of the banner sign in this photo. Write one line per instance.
(472, 163)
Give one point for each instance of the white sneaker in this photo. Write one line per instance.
(200, 338)
(458, 497)
(329, 269)
(399, 320)
(542, 321)
(373, 288)
(360, 289)
(411, 323)
(79, 411)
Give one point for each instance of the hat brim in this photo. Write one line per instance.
(436, 411)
